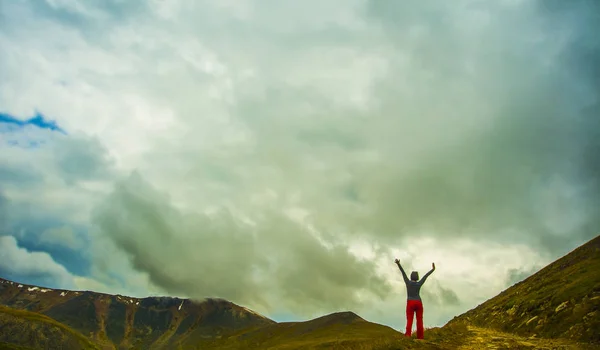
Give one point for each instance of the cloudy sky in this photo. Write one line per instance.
(281, 154)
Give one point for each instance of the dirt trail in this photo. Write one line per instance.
(483, 338)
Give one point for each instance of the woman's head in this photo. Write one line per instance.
(414, 276)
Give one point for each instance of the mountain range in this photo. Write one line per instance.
(556, 308)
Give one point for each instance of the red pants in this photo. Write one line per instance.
(413, 306)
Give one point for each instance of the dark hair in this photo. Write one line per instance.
(414, 276)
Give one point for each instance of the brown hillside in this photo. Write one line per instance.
(562, 300)
(114, 320)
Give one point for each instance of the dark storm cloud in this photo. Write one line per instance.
(276, 262)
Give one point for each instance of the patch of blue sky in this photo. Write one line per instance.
(285, 317)
(14, 129)
(12, 123)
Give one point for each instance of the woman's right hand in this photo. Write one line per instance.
(433, 265)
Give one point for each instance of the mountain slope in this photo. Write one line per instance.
(562, 300)
(486, 338)
(115, 321)
(33, 330)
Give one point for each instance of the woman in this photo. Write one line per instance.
(413, 302)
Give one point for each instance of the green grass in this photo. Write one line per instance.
(8, 346)
(33, 317)
(359, 336)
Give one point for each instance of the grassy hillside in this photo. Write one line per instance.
(30, 329)
(343, 330)
(560, 301)
(9, 346)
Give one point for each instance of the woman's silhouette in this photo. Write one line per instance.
(413, 299)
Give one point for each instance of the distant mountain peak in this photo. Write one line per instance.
(342, 317)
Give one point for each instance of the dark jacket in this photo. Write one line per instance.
(413, 287)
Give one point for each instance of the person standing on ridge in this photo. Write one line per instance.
(413, 299)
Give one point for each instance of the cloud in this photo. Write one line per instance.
(84, 283)
(3, 213)
(83, 159)
(458, 131)
(38, 266)
(47, 193)
(272, 263)
(516, 275)
(62, 236)
(271, 138)
(62, 175)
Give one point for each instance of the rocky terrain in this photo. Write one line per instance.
(556, 308)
